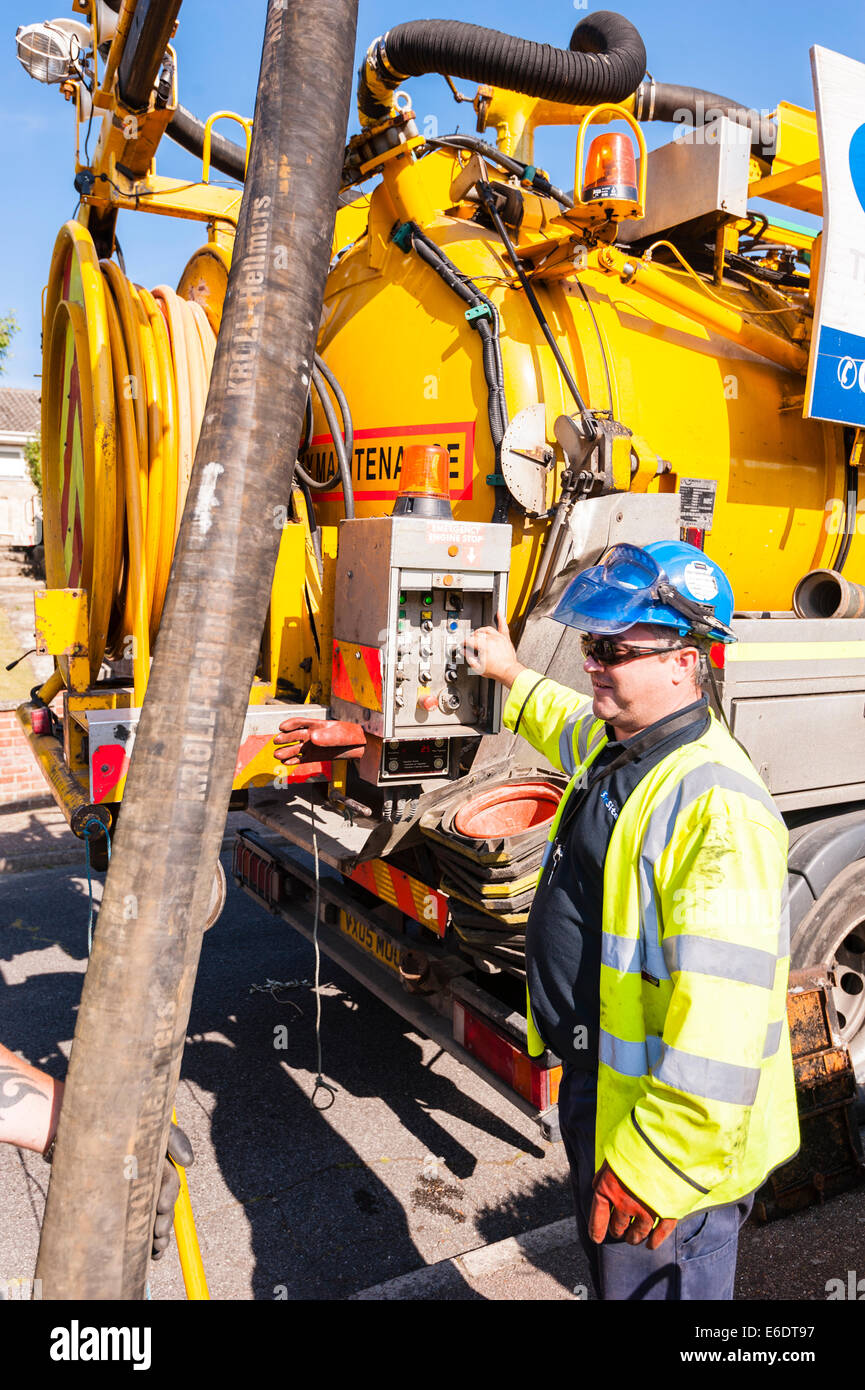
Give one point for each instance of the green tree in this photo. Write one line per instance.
(8, 327)
(33, 455)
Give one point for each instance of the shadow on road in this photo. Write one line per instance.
(321, 1222)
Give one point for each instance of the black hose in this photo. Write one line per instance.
(137, 994)
(338, 443)
(307, 497)
(486, 193)
(504, 161)
(339, 394)
(740, 268)
(608, 68)
(851, 471)
(306, 437)
(151, 28)
(666, 101)
(343, 437)
(486, 325)
(756, 237)
(311, 483)
(187, 131)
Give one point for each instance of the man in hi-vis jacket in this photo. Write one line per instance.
(657, 947)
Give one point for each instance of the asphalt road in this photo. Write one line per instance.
(414, 1164)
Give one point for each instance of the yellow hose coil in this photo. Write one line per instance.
(126, 374)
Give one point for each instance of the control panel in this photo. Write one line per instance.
(408, 592)
(432, 681)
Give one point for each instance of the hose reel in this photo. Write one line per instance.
(126, 380)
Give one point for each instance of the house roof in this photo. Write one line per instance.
(19, 411)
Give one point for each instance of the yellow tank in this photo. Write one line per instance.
(708, 377)
(410, 364)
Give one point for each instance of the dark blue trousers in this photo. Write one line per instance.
(698, 1258)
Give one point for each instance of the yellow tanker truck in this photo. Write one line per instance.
(515, 368)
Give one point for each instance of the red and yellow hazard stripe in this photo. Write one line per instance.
(416, 899)
(357, 675)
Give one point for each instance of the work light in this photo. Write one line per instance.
(49, 52)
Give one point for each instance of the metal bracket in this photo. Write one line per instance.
(607, 457)
(403, 235)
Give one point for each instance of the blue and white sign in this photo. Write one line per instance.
(836, 369)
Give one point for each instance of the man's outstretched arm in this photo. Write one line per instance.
(547, 715)
(30, 1102)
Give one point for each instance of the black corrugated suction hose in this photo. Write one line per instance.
(137, 993)
(608, 67)
(666, 101)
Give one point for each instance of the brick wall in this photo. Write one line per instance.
(20, 777)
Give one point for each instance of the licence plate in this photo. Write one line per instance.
(370, 940)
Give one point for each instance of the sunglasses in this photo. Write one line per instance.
(610, 653)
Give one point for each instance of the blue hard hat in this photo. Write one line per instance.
(668, 583)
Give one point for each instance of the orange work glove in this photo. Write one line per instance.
(307, 740)
(614, 1206)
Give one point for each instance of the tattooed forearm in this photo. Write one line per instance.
(13, 1089)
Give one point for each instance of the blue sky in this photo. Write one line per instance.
(755, 54)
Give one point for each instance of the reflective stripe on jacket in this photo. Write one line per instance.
(696, 1097)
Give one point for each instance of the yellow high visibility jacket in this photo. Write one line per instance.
(696, 1097)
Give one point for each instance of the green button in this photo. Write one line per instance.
(402, 598)
(427, 598)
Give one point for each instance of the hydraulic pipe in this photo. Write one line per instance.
(728, 322)
(132, 1022)
(52, 687)
(62, 783)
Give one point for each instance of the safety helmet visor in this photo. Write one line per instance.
(613, 595)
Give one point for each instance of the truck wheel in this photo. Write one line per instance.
(833, 935)
(218, 895)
